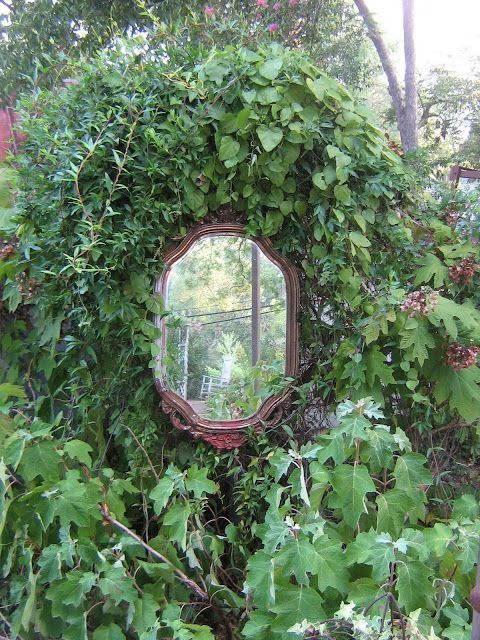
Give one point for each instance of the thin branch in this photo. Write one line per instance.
(188, 582)
(142, 448)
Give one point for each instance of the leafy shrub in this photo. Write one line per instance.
(115, 527)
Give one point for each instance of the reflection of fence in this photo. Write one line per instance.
(211, 384)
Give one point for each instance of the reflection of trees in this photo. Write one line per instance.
(210, 290)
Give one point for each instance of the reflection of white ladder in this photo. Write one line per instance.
(212, 383)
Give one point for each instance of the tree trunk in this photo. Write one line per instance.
(405, 103)
(410, 132)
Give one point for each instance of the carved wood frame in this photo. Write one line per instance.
(228, 434)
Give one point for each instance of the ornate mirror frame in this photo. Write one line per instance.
(228, 434)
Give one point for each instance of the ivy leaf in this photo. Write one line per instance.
(76, 501)
(358, 239)
(40, 459)
(260, 579)
(79, 450)
(117, 584)
(295, 604)
(331, 565)
(145, 615)
(413, 585)
(176, 520)
(108, 632)
(257, 625)
(416, 339)
(228, 148)
(432, 267)
(460, 388)
(71, 590)
(161, 493)
(351, 484)
(410, 472)
(392, 507)
(374, 550)
(197, 482)
(271, 68)
(375, 361)
(297, 557)
(270, 137)
(447, 311)
(274, 532)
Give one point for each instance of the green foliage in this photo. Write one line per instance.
(113, 526)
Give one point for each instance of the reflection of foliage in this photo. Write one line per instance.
(211, 290)
(242, 398)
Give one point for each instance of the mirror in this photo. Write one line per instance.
(228, 347)
(226, 328)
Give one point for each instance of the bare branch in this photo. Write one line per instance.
(188, 582)
(410, 135)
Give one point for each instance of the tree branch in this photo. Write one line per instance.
(410, 105)
(188, 582)
(375, 36)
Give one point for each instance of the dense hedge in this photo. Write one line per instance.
(118, 165)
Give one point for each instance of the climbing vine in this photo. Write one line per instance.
(115, 527)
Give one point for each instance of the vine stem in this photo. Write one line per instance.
(142, 448)
(188, 582)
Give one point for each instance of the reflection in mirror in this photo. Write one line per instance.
(226, 327)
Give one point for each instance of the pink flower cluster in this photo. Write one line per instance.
(209, 11)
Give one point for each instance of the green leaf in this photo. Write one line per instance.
(343, 194)
(319, 181)
(295, 604)
(270, 137)
(116, 584)
(228, 148)
(79, 450)
(40, 459)
(372, 549)
(432, 267)
(351, 483)
(257, 625)
(145, 615)
(108, 632)
(460, 388)
(161, 493)
(410, 473)
(197, 482)
(13, 390)
(271, 68)
(416, 339)
(70, 591)
(377, 367)
(358, 239)
(392, 507)
(176, 519)
(331, 565)
(448, 312)
(260, 579)
(413, 585)
(297, 557)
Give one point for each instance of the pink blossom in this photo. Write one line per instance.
(209, 11)
(293, 3)
(273, 27)
(262, 3)
(277, 6)
(258, 16)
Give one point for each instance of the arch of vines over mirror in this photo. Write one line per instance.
(229, 345)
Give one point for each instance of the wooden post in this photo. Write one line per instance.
(255, 310)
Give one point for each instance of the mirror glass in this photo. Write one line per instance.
(225, 327)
